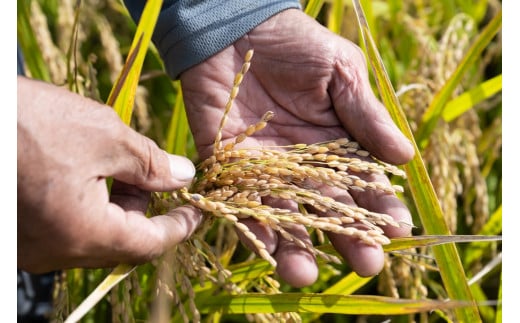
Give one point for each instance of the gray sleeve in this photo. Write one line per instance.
(190, 31)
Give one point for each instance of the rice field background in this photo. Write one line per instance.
(437, 67)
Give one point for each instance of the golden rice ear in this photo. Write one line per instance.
(251, 130)
(232, 95)
(233, 181)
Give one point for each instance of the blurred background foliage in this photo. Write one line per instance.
(82, 45)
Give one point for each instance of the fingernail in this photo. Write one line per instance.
(181, 168)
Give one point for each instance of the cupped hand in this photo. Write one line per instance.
(317, 85)
(67, 146)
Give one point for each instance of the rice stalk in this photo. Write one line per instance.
(452, 156)
(234, 181)
(81, 282)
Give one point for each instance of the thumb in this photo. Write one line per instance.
(140, 162)
(132, 238)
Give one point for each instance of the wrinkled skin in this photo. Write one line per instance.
(317, 85)
(67, 146)
(314, 81)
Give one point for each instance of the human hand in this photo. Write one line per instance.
(67, 146)
(317, 85)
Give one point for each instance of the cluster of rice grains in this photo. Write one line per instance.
(233, 182)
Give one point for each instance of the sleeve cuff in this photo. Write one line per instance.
(188, 32)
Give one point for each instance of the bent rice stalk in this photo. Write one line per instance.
(234, 183)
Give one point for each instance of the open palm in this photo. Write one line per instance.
(316, 83)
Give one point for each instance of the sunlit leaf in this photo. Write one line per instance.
(433, 240)
(313, 7)
(32, 58)
(498, 318)
(336, 16)
(118, 274)
(425, 199)
(321, 303)
(123, 93)
(178, 130)
(469, 99)
(348, 285)
(476, 250)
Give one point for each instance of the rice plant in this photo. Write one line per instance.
(443, 59)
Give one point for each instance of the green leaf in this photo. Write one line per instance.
(405, 243)
(424, 196)
(336, 16)
(486, 307)
(433, 240)
(178, 130)
(118, 274)
(313, 7)
(498, 318)
(321, 303)
(348, 284)
(33, 59)
(123, 93)
(476, 250)
(494, 224)
(469, 99)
